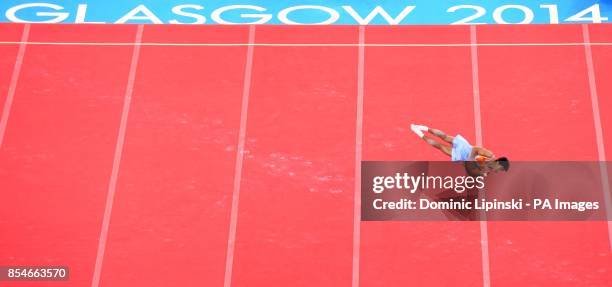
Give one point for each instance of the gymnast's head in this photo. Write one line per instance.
(500, 164)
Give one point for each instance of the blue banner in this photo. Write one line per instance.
(323, 12)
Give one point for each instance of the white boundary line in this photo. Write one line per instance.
(8, 102)
(231, 240)
(475, 85)
(601, 151)
(305, 44)
(358, 157)
(112, 187)
(484, 233)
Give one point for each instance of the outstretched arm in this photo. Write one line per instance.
(479, 151)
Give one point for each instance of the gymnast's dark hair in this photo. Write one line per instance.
(504, 162)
